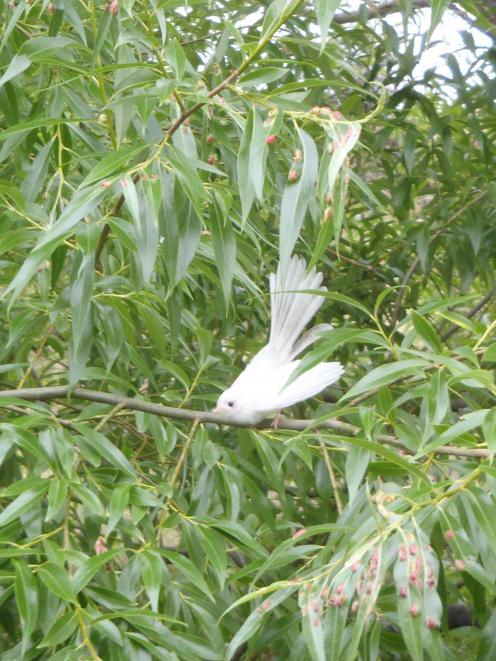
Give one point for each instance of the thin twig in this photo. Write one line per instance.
(332, 476)
(57, 392)
(482, 303)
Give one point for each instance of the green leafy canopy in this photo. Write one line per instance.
(157, 160)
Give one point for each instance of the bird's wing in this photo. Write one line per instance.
(309, 383)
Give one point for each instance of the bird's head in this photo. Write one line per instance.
(228, 404)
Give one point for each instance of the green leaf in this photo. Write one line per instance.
(152, 573)
(111, 164)
(57, 493)
(325, 12)
(63, 627)
(57, 581)
(224, 242)
(385, 374)
(437, 11)
(245, 182)
(89, 568)
(106, 449)
(296, 197)
(426, 331)
(27, 599)
(23, 503)
(262, 75)
(188, 570)
(18, 64)
(467, 423)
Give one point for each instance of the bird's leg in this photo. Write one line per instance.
(277, 420)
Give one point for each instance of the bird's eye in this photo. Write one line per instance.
(230, 403)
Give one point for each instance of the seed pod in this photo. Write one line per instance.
(432, 623)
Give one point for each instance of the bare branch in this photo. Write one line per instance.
(58, 392)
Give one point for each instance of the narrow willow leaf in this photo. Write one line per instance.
(325, 12)
(18, 64)
(469, 421)
(57, 581)
(224, 242)
(189, 571)
(57, 494)
(383, 375)
(152, 572)
(245, 182)
(437, 11)
(61, 630)
(344, 138)
(24, 502)
(426, 331)
(82, 318)
(106, 449)
(296, 197)
(27, 599)
(254, 620)
(111, 164)
(89, 568)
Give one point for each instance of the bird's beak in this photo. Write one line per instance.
(219, 409)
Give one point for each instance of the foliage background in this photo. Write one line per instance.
(141, 215)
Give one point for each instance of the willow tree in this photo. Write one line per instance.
(157, 159)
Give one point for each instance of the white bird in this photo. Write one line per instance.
(262, 388)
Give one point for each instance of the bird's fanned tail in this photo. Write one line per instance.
(309, 383)
(291, 311)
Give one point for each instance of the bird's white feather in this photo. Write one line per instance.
(309, 383)
(291, 310)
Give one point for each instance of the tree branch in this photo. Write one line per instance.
(482, 303)
(58, 392)
(378, 11)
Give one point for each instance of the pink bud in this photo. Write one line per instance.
(293, 176)
(210, 139)
(414, 610)
(460, 565)
(432, 623)
(106, 184)
(270, 139)
(212, 159)
(299, 533)
(403, 592)
(316, 623)
(412, 549)
(402, 553)
(100, 545)
(355, 606)
(114, 7)
(449, 534)
(340, 589)
(355, 567)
